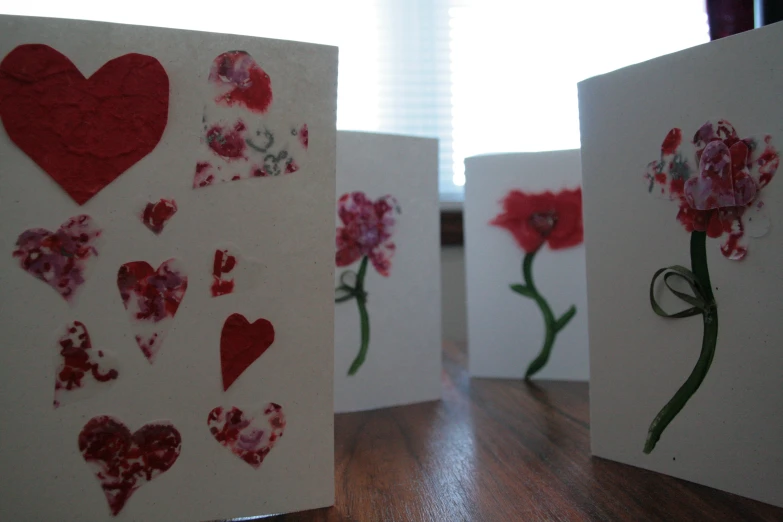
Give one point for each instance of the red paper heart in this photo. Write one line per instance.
(60, 258)
(241, 343)
(122, 461)
(156, 215)
(83, 132)
(151, 298)
(247, 437)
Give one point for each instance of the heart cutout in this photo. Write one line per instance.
(156, 215)
(249, 438)
(83, 132)
(232, 272)
(81, 369)
(151, 298)
(60, 259)
(241, 343)
(123, 461)
(723, 180)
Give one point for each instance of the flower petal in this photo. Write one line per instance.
(354, 206)
(755, 220)
(766, 164)
(735, 246)
(347, 255)
(569, 229)
(380, 257)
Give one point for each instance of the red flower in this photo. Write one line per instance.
(534, 219)
(366, 231)
(723, 198)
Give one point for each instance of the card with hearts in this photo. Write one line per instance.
(387, 283)
(683, 217)
(165, 340)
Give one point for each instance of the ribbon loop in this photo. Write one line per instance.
(699, 301)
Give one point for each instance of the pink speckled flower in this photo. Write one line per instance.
(366, 231)
(365, 234)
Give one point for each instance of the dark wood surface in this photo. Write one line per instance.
(501, 450)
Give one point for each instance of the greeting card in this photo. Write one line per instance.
(524, 262)
(387, 279)
(166, 207)
(683, 220)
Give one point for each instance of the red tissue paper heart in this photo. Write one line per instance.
(248, 437)
(125, 461)
(241, 343)
(83, 132)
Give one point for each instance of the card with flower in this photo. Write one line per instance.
(159, 338)
(387, 279)
(524, 256)
(682, 212)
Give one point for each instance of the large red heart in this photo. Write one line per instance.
(249, 438)
(151, 298)
(83, 132)
(241, 343)
(122, 461)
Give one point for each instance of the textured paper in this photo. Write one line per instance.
(728, 434)
(505, 329)
(286, 221)
(403, 362)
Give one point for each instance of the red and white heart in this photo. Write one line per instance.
(250, 438)
(123, 461)
(241, 343)
(151, 298)
(83, 132)
(81, 371)
(156, 215)
(232, 272)
(61, 259)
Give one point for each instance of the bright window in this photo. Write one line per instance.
(482, 75)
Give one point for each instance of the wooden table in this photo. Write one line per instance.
(501, 450)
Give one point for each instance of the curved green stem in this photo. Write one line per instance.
(709, 340)
(551, 325)
(357, 292)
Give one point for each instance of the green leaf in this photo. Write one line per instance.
(563, 321)
(522, 290)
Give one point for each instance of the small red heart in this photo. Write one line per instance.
(156, 215)
(247, 437)
(83, 132)
(241, 343)
(122, 461)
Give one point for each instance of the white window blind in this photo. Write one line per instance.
(481, 75)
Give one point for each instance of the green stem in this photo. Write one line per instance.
(708, 343)
(551, 325)
(361, 301)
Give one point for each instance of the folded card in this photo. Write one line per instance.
(387, 281)
(683, 223)
(166, 273)
(524, 261)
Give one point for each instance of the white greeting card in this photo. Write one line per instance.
(166, 273)
(524, 262)
(387, 280)
(683, 224)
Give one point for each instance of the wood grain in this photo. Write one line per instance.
(501, 450)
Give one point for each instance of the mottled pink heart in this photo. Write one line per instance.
(60, 258)
(123, 461)
(249, 438)
(151, 298)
